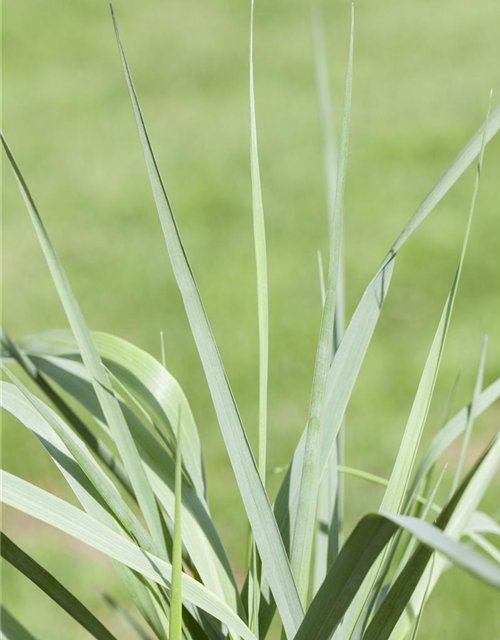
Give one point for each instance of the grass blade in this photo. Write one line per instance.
(371, 536)
(261, 262)
(331, 490)
(330, 152)
(263, 313)
(456, 169)
(303, 533)
(175, 629)
(52, 587)
(255, 500)
(470, 421)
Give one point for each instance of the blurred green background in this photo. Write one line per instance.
(423, 71)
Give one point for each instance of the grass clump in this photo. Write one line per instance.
(114, 431)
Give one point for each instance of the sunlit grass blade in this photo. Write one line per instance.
(255, 500)
(263, 314)
(330, 152)
(11, 628)
(427, 479)
(100, 380)
(428, 504)
(457, 167)
(304, 528)
(175, 628)
(470, 421)
(53, 588)
(36, 502)
(418, 618)
(261, 262)
(331, 490)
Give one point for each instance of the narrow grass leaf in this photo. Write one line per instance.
(331, 490)
(330, 151)
(459, 164)
(427, 507)
(175, 629)
(418, 618)
(261, 262)
(470, 421)
(304, 528)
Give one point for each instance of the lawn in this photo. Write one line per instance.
(422, 75)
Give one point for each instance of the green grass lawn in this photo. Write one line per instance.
(422, 76)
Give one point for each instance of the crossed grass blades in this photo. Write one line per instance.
(135, 464)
